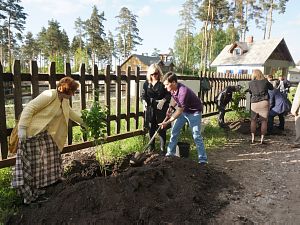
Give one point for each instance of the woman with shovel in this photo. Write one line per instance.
(156, 103)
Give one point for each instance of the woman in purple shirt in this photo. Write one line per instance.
(189, 109)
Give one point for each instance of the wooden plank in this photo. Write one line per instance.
(84, 145)
(67, 70)
(3, 128)
(137, 97)
(34, 79)
(107, 97)
(127, 88)
(82, 91)
(96, 83)
(118, 100)
(17, 88)
(52, 75)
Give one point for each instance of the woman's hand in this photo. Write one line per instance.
(22, 133)
(160, 103)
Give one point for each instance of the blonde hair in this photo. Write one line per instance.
(154, 68)
(257, 75)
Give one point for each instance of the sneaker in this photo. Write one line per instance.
(203, 163)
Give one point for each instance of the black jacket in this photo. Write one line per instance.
(152, 93)
(225, 96)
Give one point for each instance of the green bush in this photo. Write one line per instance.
(9, 199)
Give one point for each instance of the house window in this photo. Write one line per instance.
(237, 51)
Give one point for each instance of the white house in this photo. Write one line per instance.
(294, 74)
(243, 57)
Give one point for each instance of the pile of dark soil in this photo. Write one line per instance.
(165, 190)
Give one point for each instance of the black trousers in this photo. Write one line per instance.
(222, 110)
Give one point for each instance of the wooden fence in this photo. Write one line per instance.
(123, 88)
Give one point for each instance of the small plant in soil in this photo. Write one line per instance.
(236, 98)
(95, 120)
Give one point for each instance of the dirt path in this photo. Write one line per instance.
(269, 176)
(243, 184)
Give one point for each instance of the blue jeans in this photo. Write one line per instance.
(194, 121)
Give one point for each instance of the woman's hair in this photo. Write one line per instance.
(170, 77)
(67, 85)
(257, 75)
(154, 68)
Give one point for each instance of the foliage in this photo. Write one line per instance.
(13, 16)
(9, 200)
(128, 36)
(95, 119)
(236, 98)
(95, 33)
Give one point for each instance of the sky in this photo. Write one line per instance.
(158, 20)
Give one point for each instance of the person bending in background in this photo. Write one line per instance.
(278, 107)
(156, 101)
(42, 133)
(284, 85)
(295, 111)
(189, 109)
(258, 88)
(222, 99)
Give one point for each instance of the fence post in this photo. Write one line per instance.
(128, 89)
(137, 97)
(3, 129)
(52, 75)
(107, 97)
(34, 79)
(118, 100)
(82, 90)
(96, 83)
(17, 88)
(67, 71)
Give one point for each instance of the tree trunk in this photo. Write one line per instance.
(270, 19)
(9, 46)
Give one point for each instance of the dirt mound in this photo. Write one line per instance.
(165, 190)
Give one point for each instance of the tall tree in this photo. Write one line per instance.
(14, 17)
(30, 47)
(187, 28)
(54, 43)
(214, 14)
(128, 31)
(264, 14)
(95, 33)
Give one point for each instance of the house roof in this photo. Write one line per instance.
(148, 60)
(258, 53)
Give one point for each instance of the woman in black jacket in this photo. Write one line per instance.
(258, 88)
(156, 101)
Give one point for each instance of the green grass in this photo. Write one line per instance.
(9, 200)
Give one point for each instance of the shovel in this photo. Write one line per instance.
(140, 157)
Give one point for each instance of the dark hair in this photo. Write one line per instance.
(67, 85)
(170, 77)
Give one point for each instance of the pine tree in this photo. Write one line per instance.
(14, 17)
(128, 36)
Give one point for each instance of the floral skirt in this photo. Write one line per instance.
(38, 164)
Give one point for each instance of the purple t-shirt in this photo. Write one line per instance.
(187, 99)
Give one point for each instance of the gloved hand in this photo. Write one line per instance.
(144, 105)
(160, 103)
(22, 133)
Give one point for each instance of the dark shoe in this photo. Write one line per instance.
(295, 146)
(203, 163)
(40, 199)
(162, 153)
